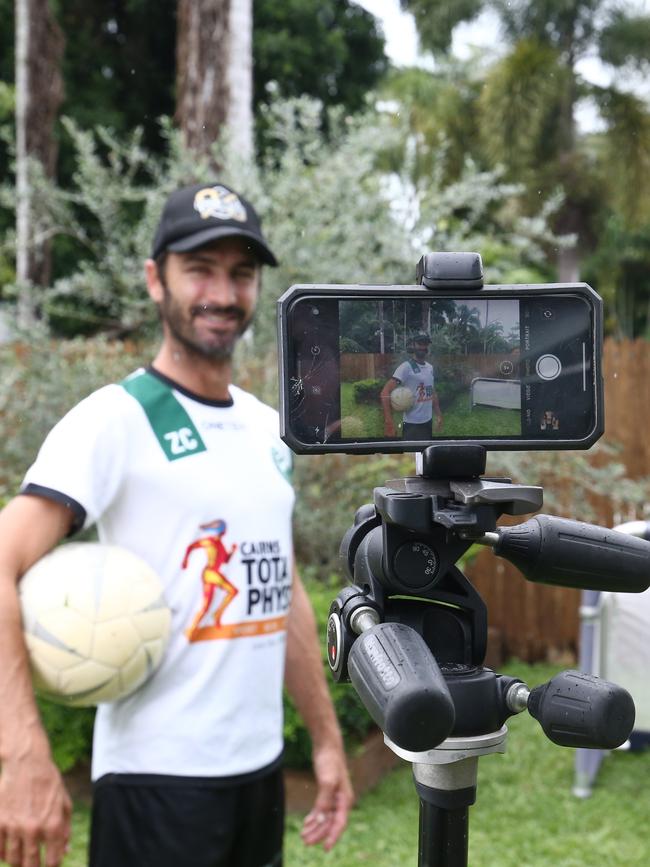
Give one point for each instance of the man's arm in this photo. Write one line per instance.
(34, 806)
(436, 410)
(389, 425)
(305, 681)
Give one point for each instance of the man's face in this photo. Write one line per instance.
(420, 350)
(208, 297)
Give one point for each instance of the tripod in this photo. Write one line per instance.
(410, 631)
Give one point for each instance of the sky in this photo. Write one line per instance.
(402, 48)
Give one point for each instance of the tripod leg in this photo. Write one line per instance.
(444, 836)
(446, 792)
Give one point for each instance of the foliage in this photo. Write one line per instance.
(619, 270)
(327, 49)
(353, 718)
(439, 109)
(39, 382)
(367, 390)
(331, 215)
(119, 69)
(625, 40)
(524, 117)
(70, 731)
(596, 476)
(330, 488)
(448, 389)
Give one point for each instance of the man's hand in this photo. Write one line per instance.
(305, 680)
(439, 422)
(329, 815)
(35, 811)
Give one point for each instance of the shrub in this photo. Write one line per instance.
(353, 718)
(448, 392)
(367, 390)
(329, 211)
(70, 730)
(42, 379)
(347, 344)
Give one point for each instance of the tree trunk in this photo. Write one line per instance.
(39, 92)
(240, 77)
(214, 73)
(568, 265)
(201, 68)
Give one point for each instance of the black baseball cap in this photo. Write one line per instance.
(194, 216)
(420, 337)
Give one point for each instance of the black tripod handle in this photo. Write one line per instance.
(401, 686)
(582, 710)
(572, 554)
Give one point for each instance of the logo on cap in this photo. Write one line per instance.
(220, 203)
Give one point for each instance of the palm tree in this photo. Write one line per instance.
(528, 105)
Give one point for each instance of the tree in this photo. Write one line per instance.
(440, 109)
(528, 106)
(214, 71)
(240, 77)
(119, 69)
(39, 48)
(332, 50)
(327, 49)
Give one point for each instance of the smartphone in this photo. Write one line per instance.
(396, 368)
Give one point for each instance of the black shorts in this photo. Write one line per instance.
(151, 821)
(413, 431)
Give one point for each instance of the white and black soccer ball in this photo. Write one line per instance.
(95, 621)
(401, 398)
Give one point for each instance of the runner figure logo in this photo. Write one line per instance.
(212, 576)
(266, 585)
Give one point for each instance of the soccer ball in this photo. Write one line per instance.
(352, 426)
(95, 622)
(401, 398)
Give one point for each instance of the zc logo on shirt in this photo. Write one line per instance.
(181, 441)
(169, 420)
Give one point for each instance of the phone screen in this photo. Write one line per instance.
(411, 370)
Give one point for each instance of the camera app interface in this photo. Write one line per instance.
(387, 369)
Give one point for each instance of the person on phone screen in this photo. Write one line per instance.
(415, 375)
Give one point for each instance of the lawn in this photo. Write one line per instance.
(481, 421)
(459, 418)
(368, 418)
(525, 815)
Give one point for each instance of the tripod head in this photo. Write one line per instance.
(411, 630)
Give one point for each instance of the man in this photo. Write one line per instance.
(186, 770)
(415, 374)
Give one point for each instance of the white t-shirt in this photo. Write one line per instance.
(149, 464)
(418, 378)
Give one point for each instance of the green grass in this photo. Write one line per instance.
(525, 814)
(459, 419)
(369, 419)
(482, 421)
(78, 855)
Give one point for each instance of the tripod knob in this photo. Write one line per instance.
(401, 686)
(581, 710)
(572, 554)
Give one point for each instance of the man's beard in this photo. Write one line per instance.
(217, 348)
